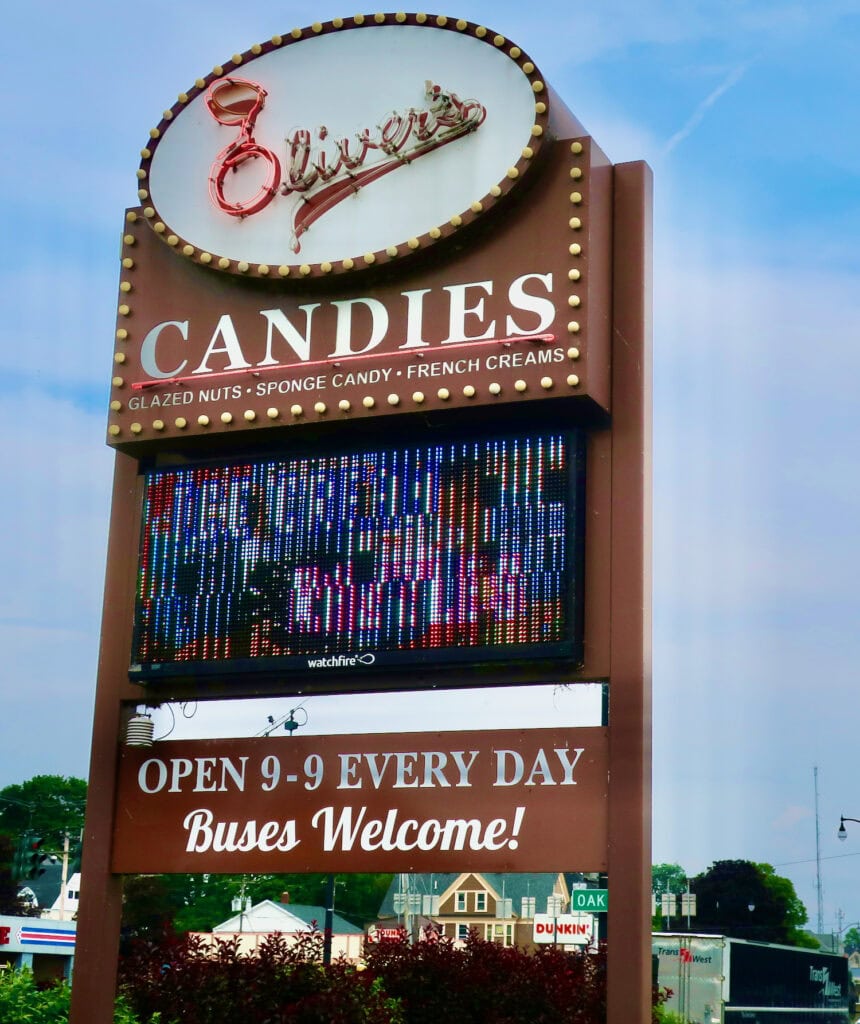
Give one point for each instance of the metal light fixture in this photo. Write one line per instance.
(842, 832)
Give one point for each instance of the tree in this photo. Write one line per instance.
(155, 905)
(46, 805)
(795, 916)
(668, 878)
(361, 896)
(9, 901)
(852, 940)
(749, 901)
(206, 899)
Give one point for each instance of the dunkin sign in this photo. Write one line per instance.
(407, 217)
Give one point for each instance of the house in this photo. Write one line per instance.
(65, 906)
(854, 973)
(499, 907)
(252, 925)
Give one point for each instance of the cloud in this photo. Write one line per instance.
(702, 109)
(790, 817)
(56, 478)
(56, 481)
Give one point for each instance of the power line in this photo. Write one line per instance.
(812, 860)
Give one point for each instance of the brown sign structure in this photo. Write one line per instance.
(515, 316)
(453, 801)
(453, 255)
(384, 226)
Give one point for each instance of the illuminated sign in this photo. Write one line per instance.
(322, 172)
(347, 144)
(373, 216)
(438, 552)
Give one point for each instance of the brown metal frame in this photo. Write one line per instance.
(618, 603)
(629, 965)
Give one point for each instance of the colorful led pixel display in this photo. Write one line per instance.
(432, 552)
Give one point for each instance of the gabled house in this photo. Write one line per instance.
(65, 906)
(252, 926)
(499, 907)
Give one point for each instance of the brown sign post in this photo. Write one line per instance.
(380, 402)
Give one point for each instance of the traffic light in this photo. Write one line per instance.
(35, 857)
(75, 852)
(19, 864)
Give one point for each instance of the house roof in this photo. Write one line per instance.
(310, 914)
(269, 916)
(511, 886)
(46, 887)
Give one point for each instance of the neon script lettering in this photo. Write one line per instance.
(322, 171)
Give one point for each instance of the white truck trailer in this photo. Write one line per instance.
(715, 979)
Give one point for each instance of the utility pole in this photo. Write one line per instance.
(64, 882)
(818, 888)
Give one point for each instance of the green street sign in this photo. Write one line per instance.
(592, 900)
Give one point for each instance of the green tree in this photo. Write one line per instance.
(9, 902)
(666, 878)
(749, 901)
(358, 897)
(206, 899)
(795, 917)
(852, 940)
(149, 906)
(153, 905)
(46, 805)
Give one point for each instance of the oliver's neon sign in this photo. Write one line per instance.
(323, 171)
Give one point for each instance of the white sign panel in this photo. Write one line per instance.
(333, 144)
(565, 929)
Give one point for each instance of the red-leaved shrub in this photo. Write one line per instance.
(192, 981)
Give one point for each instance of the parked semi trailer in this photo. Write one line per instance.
(719, 980)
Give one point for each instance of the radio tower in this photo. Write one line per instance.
(818, 888)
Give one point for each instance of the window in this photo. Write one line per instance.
(481, 902)
(500, 933)
(462, 932)
(460, 902)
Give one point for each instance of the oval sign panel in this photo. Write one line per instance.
(332, 149)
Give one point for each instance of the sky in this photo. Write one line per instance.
(748, 111)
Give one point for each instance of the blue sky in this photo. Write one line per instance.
(748, 113)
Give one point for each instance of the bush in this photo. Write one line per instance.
(22, 1002)
(489, 983)
(664, 1016)
(192, 981)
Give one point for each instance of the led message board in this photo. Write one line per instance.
(436, 552)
